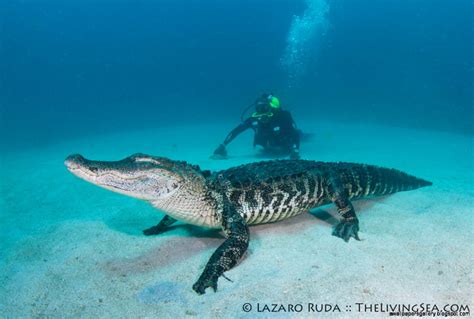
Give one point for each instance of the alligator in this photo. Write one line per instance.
(237, 197)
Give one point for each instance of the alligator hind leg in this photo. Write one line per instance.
(349, 225)
(161, 227)
(226, 256)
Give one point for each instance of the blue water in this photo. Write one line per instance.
(384, 82)
(74, 68)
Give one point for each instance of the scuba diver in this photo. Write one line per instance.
(274, 128)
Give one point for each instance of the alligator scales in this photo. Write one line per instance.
(245, 195)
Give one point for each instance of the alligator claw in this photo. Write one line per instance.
(201, 285)
(347, 229)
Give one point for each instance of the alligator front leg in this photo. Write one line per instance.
(226, 256)
(161, 227)
(349, 225)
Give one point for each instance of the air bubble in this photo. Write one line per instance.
(303, 40)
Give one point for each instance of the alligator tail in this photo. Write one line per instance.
(361, 180)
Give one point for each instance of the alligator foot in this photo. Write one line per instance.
(203, 283)
(161, 227)
(155, 230)
(346, 229)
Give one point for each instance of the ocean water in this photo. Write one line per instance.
(389, 83)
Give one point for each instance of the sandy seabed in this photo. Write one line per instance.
(71, 249)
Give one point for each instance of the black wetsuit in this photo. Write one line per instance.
(275, 134)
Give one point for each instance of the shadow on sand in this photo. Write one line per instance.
(181, 241)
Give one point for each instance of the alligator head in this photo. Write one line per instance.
(141, 176)
(175, 187)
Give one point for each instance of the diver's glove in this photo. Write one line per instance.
(295, 154)
(220, 152)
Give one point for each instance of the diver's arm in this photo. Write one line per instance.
(220, 151)
(236, 131)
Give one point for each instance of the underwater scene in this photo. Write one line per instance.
(236, 159)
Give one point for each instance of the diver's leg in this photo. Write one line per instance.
(349, 224)
(161, 227)
(226, 256)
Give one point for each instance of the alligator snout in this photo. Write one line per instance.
(74, 161)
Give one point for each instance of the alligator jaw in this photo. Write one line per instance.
(78, 165)
(96, 172)
(110, 175)
(139, 176)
